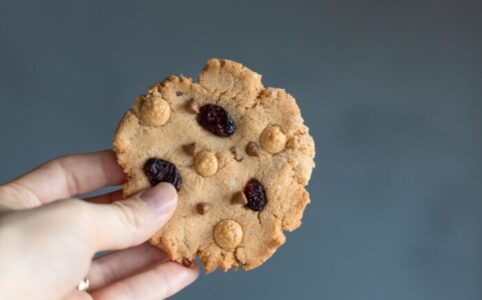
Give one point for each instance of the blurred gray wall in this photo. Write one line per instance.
(391, 90)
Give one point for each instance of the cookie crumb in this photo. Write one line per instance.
(235, 153)
(252, 149)
(202, 208)
(291, 143)
(192, 106)
(190, 149)
(239, 198)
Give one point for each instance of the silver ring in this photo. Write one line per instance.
(83, 285)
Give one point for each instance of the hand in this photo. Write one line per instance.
(47, 244)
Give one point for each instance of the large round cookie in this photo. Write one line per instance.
(237, 152)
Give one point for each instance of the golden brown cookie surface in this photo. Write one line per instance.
(238, 153)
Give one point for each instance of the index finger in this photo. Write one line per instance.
(68, 176)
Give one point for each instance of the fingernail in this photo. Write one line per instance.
(161, 198)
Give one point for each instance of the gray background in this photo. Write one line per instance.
(391, 91)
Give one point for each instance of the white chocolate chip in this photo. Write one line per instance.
(206, 163)
(272, 139)
(155, 111)
(228, 234)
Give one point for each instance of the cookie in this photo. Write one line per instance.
(238, 154)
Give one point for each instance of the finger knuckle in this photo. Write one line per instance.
(129, 213)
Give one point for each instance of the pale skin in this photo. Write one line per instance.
(48, 237)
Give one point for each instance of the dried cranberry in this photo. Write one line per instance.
(158, 170)
(186, 262)
(216, 120)
(256, 195)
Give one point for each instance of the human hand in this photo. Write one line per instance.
(48, 239)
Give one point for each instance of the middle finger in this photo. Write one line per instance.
(121, 264)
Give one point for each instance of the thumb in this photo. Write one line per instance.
(130, 222)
